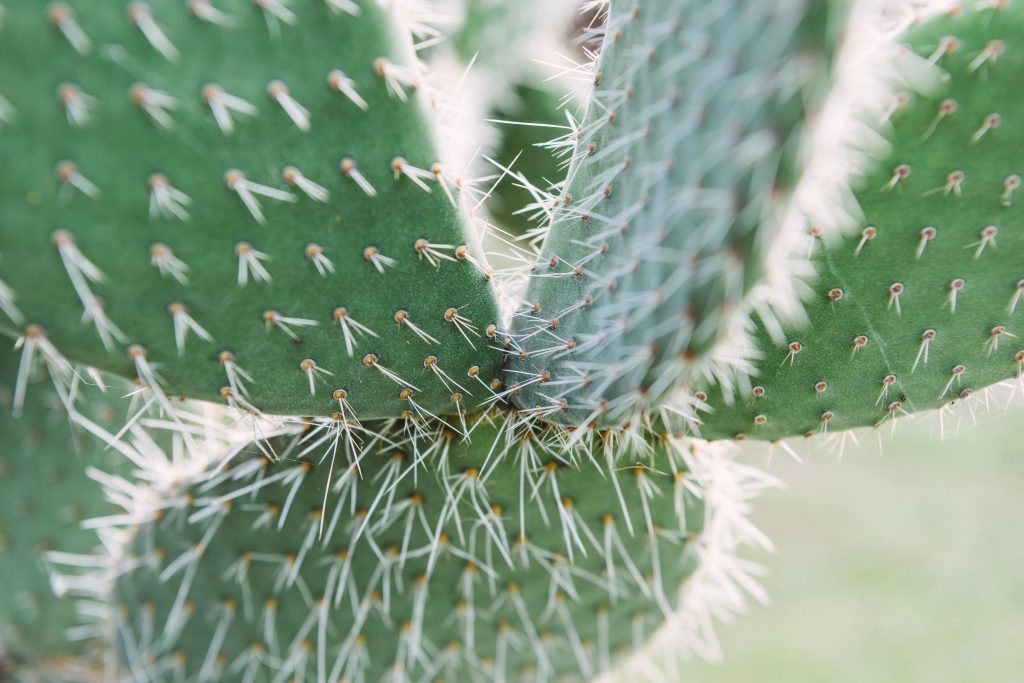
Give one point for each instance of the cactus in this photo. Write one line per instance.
(46, 493)
(918, 307)
(496, 562)
(245, 195)
(669, 203)
(381, 499)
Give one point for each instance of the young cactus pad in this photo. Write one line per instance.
(45, 495)
(239, 201)
(921, 306)
(499, 564)
(674, 190)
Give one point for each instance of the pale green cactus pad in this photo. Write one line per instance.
(921, 307)
(238, 201)
(678, 172)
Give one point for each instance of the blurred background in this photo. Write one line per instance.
(904, 563)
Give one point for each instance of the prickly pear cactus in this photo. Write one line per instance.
(46, 494)
(245, 195)
(418, 557)
(920, 306)
(242, 201)
(673, 193)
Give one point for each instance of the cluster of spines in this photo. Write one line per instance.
(48, 493)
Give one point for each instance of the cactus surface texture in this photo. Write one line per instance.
(247, 195)
(331, 421)
(920, 306)
(45, 496)
(497, 565)
(674, 190)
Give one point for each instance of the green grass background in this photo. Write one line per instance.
(903, 564)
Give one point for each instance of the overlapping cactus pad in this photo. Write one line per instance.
(239, 201)
(676, 185)
(496, 562)
(45, 496)
(922, 306)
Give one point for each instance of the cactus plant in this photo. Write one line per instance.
(648, 256)
(917, 307)
(250, 213)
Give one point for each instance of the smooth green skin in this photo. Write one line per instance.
(665, 285)
(790, 404)
(44, 495)
(122, 147)
(143, 596)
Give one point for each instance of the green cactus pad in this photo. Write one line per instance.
(921, 307)
(45, 494)
(493, 563)
(674, 189)
(240, 194)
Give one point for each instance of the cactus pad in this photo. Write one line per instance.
(515, 557)
(45, 495)
(238, 200)
(921, 307)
